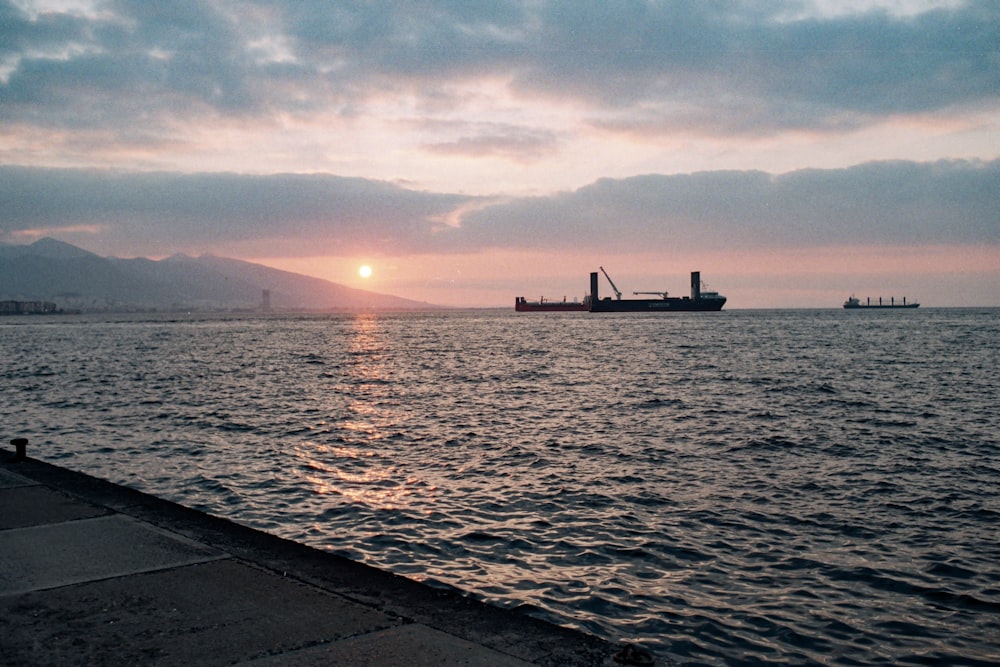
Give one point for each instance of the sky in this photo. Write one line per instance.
(471, 151)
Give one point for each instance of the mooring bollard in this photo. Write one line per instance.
(20, 444)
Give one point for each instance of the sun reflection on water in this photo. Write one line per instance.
(357, 476)
(353, 470)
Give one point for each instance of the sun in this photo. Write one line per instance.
(365, 271)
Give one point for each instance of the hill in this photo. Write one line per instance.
(73, 278)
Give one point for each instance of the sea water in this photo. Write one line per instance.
(795, 487)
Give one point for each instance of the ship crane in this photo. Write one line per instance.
(662, 295)
(618, 295)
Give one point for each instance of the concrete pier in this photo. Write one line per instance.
(92, 573)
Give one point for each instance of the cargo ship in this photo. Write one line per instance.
(544, 305)
(854, 302)
(700, 300)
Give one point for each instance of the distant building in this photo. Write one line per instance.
(27, 307)
(265, 301)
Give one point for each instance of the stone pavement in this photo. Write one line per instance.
(92, 573)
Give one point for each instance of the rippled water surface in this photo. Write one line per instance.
(797, 487)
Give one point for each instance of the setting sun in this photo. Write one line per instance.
(365, 271)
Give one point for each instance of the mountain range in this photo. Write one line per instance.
(75, 279)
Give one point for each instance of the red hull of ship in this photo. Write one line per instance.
(522, 306)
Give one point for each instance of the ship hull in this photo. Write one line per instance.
(854, 303)
(534, 307)
(669, 305)
(543, 305)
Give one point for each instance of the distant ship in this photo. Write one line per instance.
(698, 301)
(855, 302)
(544, 305)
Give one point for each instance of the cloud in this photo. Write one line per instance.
(727, 67)
(163, 213)
(712, 66)
(881, 203)
(511, 142)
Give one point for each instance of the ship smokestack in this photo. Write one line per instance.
(593, 288)
(696, 285)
